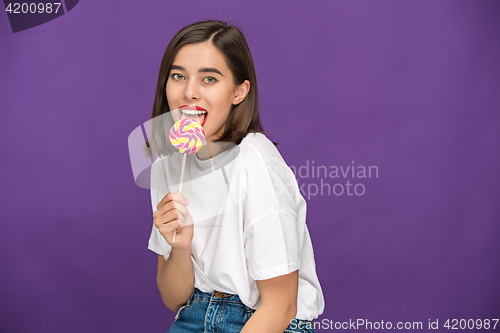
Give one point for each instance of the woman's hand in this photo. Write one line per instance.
(171, 215)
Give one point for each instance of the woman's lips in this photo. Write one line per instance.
(194, 112)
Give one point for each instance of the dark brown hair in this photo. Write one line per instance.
(243, 118)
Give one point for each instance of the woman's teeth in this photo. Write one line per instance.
(197, 115)
(193, 112)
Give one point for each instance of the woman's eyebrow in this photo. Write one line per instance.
(202, 70)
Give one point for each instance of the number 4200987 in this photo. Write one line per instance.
(455, 324)
(24, 8)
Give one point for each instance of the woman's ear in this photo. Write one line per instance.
(241, 92)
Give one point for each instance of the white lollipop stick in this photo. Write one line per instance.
(195, 136)
(180, 188)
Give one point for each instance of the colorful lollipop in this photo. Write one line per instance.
(188, 136)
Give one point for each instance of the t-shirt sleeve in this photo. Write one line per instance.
(157, 243)
(272, 246)
(274, 215)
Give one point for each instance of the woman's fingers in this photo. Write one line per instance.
(173, 196)
(171, 208)
(168, 228)
(182, 212)
(172, 215)
(173, 211)
(168, 203)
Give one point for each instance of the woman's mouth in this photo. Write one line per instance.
(194, 112)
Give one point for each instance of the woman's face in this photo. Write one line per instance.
(200, 80)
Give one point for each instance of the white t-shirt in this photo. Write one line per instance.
(249, 221)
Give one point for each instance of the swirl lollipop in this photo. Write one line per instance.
(188, 136)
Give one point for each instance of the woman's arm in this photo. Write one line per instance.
(175, 278)
(278, 304)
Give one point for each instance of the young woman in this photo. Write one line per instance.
(242, 259)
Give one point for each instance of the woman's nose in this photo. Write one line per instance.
(191, 92)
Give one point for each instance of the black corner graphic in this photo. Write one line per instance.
(70, 4)
(26, 15)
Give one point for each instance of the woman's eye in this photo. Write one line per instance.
(176, 76)
(210, 79)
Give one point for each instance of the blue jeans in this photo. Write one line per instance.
(219, 312)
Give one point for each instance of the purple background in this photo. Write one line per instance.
(408, 86)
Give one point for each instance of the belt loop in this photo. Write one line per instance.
(190, 300)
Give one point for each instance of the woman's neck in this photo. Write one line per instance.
(209, 151)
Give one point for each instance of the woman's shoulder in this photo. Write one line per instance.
(259, 152)
(256, 141)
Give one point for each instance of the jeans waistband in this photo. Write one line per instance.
(225, 297)
(215, 296)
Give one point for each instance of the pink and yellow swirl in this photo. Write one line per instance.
(187, 135)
